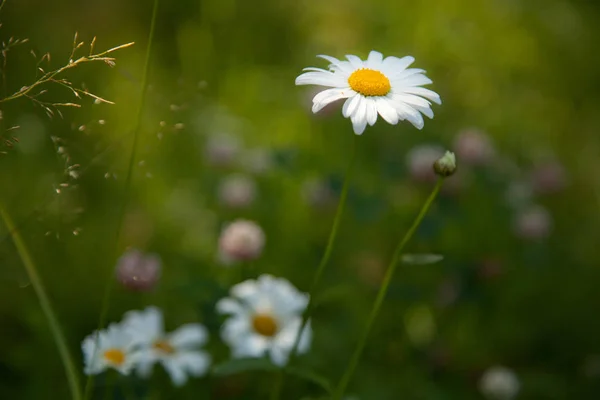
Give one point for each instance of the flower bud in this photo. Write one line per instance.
(446, 165)
(237, 191)
(137, 271)
(242, 240)
(499, 383)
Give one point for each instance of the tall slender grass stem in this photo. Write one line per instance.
(278, 384)
(38, 287)
(132, 156)
(341, 388)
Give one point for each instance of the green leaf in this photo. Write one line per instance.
(240, 365)
(421, 259)
(311, 376)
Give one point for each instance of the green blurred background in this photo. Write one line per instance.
(521, 294)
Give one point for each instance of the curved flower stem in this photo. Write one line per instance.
(38, 286)
(136, 129)
(382, 292)
(319, 273)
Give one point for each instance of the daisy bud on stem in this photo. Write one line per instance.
(444, 167)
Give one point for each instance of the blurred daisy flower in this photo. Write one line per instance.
(177, 351)
(112, 348)
(375, 86)
(265, 317)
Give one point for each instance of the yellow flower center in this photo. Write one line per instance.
(114, 356)
(369, 82)
(264, 324)
(163, 346)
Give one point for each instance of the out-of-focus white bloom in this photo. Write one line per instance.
(237, 191)
(265, 317)
(374, 86)
(499, 383)
(110, 348)
(138, 271)
(317, 193)
(420, 160)
(222, 149)
(548, 177)
(177, 351)
(256, 161)
(474, 147)
(519, 194)
(241, 240)
(445, 165)
(533, 223)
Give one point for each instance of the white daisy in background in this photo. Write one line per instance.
(112, 348)
(375, 86)
(265, 317)
(499, 383)
(176, 351)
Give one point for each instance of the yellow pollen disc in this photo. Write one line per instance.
(369, 82)
(163, 346)
(114, 356)
(264, 324)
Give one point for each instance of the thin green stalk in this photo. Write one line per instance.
(320, 269)
(136, 129)
(382, 293)
(38, 286)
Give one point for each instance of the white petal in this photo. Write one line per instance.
(427, 111)
(188, 335)
(229, 306)
(356, 62)
(371, 111)
(322, 79)
(410, 114)
(176, 372)
(359, 126)
(428, 94)
(194, 363)
(343, 66)
(145, 362)
(243, 290)
(328, 96)
(145, 326)
(411, 100)
(351, 105)
(361, 111)
(278, 355)
(251, 346)
(235, 328)
(386, 111)
(374, 60)
(398, 64)
(414, 80)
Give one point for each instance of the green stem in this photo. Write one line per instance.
(320, 269)
(382, 293)
(136, 129)
(38, 286)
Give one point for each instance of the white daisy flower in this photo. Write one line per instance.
(176, 351)
(265, 317)
(113, 348)
(375, 86)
